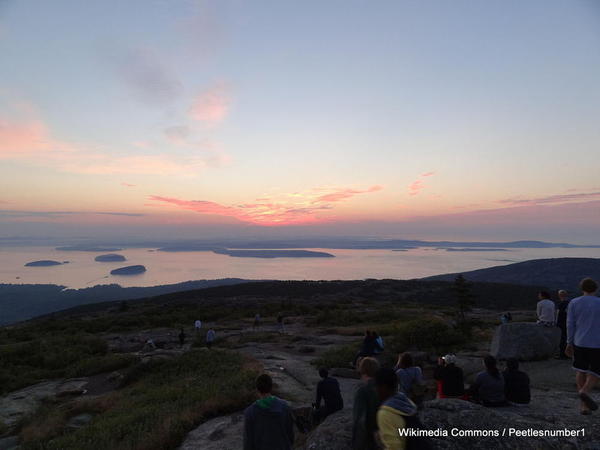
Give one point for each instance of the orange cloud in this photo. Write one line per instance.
(288, 209)
(211, 106)
(19, 139)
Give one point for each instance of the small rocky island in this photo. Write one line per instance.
(273, 253)
(110, 257)
(43, 263)
(129, 270)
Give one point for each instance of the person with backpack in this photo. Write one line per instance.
(367, 348)
(395, 411)
(489, 386)
(268, 422)
(410, 378)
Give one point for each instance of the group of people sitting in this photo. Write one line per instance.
(490, 388)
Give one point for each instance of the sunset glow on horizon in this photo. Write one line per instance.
(381, 119)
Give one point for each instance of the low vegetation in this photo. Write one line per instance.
(154, 411)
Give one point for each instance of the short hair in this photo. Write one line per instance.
(323, 372)
(512, 364)
(386, 377)
(588, 285)
(406, 360)
(562, 292)
(368, 366)
(264, 384)
(545, 294)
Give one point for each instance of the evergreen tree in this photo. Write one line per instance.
(464, 297)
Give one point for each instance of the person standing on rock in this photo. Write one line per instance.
(198, 325)
(280, 325)
(364, 409)
(328, 390)
(583, 342)
(395, 412)
(545, 310)
(210, 338)
(256, 324)
(561, 321)
(268, 422)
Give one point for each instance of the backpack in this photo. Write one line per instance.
(417, 442)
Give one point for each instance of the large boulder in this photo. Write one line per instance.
(334, 433)
(525, 341)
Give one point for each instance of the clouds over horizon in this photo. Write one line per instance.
(418, 185)
(287, 209)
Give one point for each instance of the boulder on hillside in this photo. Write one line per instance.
(334, 433)
(526, 341)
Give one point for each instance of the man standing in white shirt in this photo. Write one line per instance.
(198, 325)
(546, 310)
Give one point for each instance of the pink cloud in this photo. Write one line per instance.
(127, 184)
(427, 174)
(24, 138)
(211, 106)
(288, 209)
(418, 185)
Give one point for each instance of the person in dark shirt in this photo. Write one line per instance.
(368, 347)
(489, 388)
(561, 321)
(364, 407)
(328, 390)
(449, 377)
(268, 422)
(516, 383)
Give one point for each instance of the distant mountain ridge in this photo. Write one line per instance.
(554, 273)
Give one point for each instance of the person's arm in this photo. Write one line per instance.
(538, 309)
(419, 378)
(571, 325)
(248, 432)
(319, 394)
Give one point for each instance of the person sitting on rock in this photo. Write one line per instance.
(328, 390)
(364, 409)
(367, 348)
(268, 422)
(449, 378)
(545, 310)
(488, 388)
(583, 342)
(394, 411)
(516, 383)
(410, 378)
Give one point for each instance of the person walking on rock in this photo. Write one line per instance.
(583, 342)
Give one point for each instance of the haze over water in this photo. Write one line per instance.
(173, 267)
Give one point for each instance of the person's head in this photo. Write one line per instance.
(323, 372)
(588, 286)
(368, 367)
(512, 364)
(367, 333)
(563, 295)
(449, 359)
(264, 384)
(386, 383)
(405, 360)
(375, 335)
(544, 295)
(491, 365)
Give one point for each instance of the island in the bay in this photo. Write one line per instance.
(274, 253)
(43, 263)
(129, 270)
(110, 257)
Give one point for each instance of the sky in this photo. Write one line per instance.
(416, 119)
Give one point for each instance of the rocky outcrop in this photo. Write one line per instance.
(525, 341)
(335, 433)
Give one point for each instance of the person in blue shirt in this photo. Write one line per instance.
(583, 342)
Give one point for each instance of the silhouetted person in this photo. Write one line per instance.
(268, 422)
(328, 390)
(449, 377)
(367, 348)
(256, 324)
(210, 338)
(364, 408)
(561, 321)
(516, 383)
(410, 378)
(181, 338)
(280, 323)
(583, 342)
(197, 325)
(488, 388)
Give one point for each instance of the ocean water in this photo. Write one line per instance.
(173, 267)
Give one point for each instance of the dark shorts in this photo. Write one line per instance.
(587, 360)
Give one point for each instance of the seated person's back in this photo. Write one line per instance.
(489, 385)
(451, 377)
(516, 383)
(328, 389)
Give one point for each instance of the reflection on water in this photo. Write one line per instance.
(167, 268)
